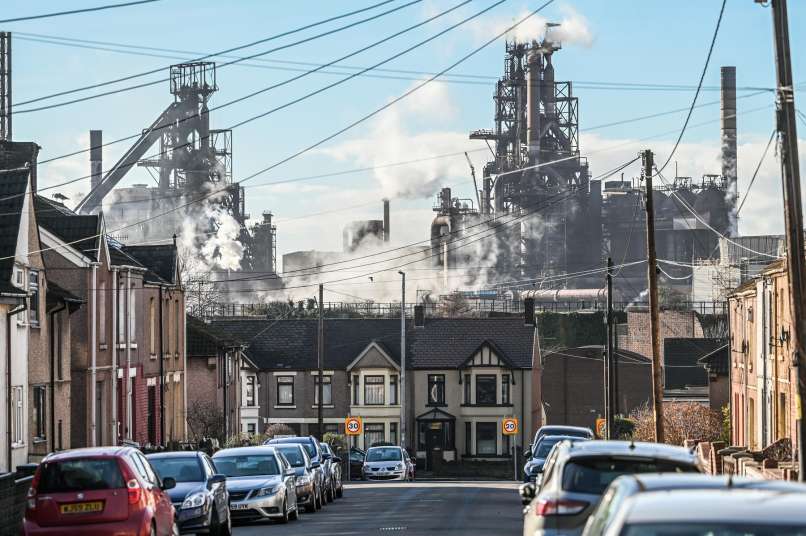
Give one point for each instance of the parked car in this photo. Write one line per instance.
(385, 463)
(563, 430)
(314, 449)
(577, 473)
(334, 466)
(261, 483)
(95, 491)
(200, 496)
(536, 456)
(356, 462)
(624, 487)
(733, 512)
(307, 491)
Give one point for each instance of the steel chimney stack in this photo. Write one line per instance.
(729, 169)
(96, 158)
(386, 227)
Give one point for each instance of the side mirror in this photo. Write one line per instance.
(337, 459)
(290, 472)
(168, 482)
(315, 465)
(527, 493)
(326, 456)
(216, 479)
(527, 454)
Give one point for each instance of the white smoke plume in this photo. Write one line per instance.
(573, 28)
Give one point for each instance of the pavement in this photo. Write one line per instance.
(410, 509)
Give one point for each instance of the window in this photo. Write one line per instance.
(177, 326)
(782, 414)
(393, 433)
(467, 388)
(40, 403)
(250, 390)
(17, 423)
(152, 326)
(436, 389)
(102, 312)
(250, 428)
(132, 312)
(468, 438)
(393, 389)
(327, 390)
(356, 388)
(56, 348)
(121, 319)
(486, 434)
(285, 390)
(485, 390)
(373, 390)
(33, 288)
(373, 433)
(505, 389)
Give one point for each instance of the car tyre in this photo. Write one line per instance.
(283, 520)
(294, 515)
(217, 528)
(340, 491)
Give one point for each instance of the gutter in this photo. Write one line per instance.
(21, 308)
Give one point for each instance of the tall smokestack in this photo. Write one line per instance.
(5, 86)
(533, 86)
(386, 228)
(728, 105)
(96, 159)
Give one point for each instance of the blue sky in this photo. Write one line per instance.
(614, 41)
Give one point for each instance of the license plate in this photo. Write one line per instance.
(82, 508)
(236, 506)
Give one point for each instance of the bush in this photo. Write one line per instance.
(682, 421)
(278, 429)
(338, 442)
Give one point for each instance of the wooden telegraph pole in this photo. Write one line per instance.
(793, 215)
(654, 315)
(609, 367)
(320, 354)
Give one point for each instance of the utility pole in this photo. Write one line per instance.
(403, 361)
(609, 368)
(793, 215)
(320, 421)
(654, 320)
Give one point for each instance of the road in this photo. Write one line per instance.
(409, 509)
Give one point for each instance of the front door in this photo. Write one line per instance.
(433, 441)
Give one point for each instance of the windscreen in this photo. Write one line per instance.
(384, 454)
(294, 456)
(247, 465)
(80, 475)
(544, 447)
(593, 475)
(182, 469)
(678, 528)
(307, 444)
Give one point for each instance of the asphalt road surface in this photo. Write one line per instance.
(409, 509)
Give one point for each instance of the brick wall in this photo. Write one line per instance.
(672, 324)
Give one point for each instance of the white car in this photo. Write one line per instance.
(385, 463)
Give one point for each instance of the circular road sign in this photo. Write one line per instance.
(352, 425)
(509, 426)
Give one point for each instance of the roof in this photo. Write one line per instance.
(79, 231)
(292, 344)
(13, 185)
(89, 452)
(258, 449)
(118, 257)
(736, 507)
(717, 361)
(596, 351)
(175, 454)
(449, 342)
(160, 259)
(56, 294)
(671, 481)
(681, 361)
(205, 340)
(631, 448)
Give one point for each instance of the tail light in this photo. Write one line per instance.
(31, 496)
(559, 507)
(132, 484)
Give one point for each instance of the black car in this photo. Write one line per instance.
(356, 462)
(335, 471)
(314, 450)
(200, 497)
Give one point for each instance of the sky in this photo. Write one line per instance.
(618, 41)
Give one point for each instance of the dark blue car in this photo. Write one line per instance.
(200, 497)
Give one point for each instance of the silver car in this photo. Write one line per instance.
(536, 456)
(730, 512)
(576, 475)
(261, 483)
(385, 463)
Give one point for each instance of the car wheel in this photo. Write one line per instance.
(284, 519)
(318, 500)
(294, 515)
(340, 491)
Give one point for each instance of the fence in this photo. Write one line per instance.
(13, 491)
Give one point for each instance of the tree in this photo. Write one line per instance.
(682, 421)
(455, 305)
(278, 429)
(205, 420)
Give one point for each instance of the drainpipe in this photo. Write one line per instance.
(162, 374)
(53, 350)
(93, 352)
(127, 379)
(21, 308)
(224, 384)
(115, 432)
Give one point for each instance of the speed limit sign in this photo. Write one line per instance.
(352, 426)
(509, 426)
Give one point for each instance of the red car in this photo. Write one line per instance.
(94, 491)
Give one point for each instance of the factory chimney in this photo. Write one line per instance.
(386, 227)
(729, 169)
(96, 160)
(533, 88)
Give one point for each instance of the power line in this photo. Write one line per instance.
(699, 85)
(76, 11)
(201, 58)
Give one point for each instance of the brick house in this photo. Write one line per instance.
(763, 380)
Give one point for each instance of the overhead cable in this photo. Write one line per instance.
(76, 11)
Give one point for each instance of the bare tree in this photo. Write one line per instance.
(205, 420)
(201, 293)
(682, 421)
(278, 429)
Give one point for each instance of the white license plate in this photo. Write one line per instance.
(236, 506)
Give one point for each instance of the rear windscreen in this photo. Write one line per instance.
(79, 475)
(593, 475)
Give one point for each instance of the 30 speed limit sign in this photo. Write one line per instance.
(509, 426)
(352, 426)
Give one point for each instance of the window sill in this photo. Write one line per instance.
(102, 346)
(122, 346)
(153, 356)
(436, 405)
(34, 325)
(324, 406)
(40, 440)
(487, 405)
(285, 407)
(18, 445)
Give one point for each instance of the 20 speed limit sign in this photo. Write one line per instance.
(509, 426)
(352, 426)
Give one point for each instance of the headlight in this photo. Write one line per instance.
(271, 490)
(399, 467)
(303, 480)
(195, 500)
